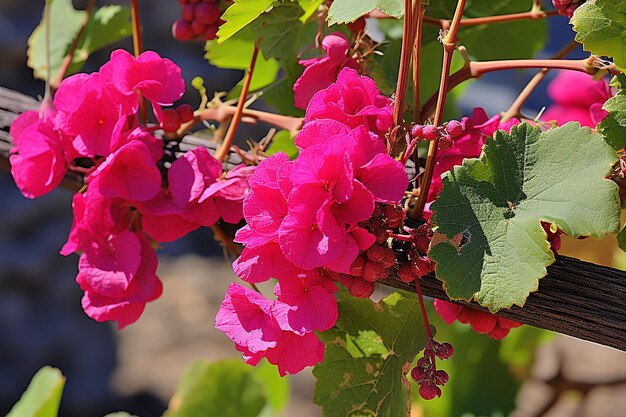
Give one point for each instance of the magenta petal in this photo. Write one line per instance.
(304, 306)
(262, 262)
(305, 245)
(385, 178)
(110, 266)
(293, 353)
(245, 318)
(129, 173)
(350, 250)
(264, 210)
(357, 208)
(318, 131)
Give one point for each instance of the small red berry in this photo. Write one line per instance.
(417, 131)
(454, 128)
(185, 113)
(181, 31)
(430, 132)
(207, 13)
(406, 274)
(171, 121)
(189, 12)
(361, 288)
(210, 33)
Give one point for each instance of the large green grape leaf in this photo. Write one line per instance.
(367, 356)
(613, 127)
(229, 388)
(279, 30)
(492, 208)
(43, 395)
(240, 14)
(345, 11)
(309, 7)
(106, 26)
(601, 27)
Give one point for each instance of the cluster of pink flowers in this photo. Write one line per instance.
(303, 220)
(125, 206)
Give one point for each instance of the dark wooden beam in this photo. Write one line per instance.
(576, 298)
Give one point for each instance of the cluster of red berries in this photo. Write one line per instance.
(419, 263)
(425, 372)
(375, 263)
(200, 20)
(567, 7)
(445, 133)
(173, 118)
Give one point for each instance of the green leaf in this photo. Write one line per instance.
(613, 127)
(601, 27)
(106, 26)
(43, 395)
(279, 30)
(236, 53)
(240, 14)
(228, 388)
(309, 7)
(367, 356)
(494, 205)
(64, 24)
(345, 11)
(283, 142)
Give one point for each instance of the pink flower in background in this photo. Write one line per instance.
(354, 101)
(482, 322)
(577, 98)
(321, 72)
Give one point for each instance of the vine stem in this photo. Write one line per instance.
(449, 45)
(420, 297)
(224, 150)
(474, 21)
(224, 112)
(137, 49)
(403, 72)
(476, 69)
(516, 108)
(67, 60)
(418, 14)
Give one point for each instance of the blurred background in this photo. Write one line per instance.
(137, 369)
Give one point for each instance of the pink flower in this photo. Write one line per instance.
(354, 101)
(320, 72)
(577, 98)
(177, 211)
(157, 79)
(95, 218)
(88, 112)
(305, 303)
(120, 296)
(482, 322)
(129, 173)
(229, 192)
(38, 161)
(247, 318)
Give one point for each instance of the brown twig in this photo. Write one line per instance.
(475, 69)
(449, 45)
(224, 112)
(224, 150)
(516, 108)
(137, 49)
(418, 14)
